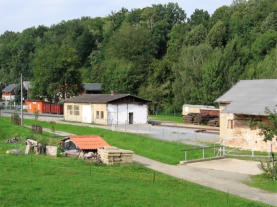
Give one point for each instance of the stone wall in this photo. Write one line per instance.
(235, 131)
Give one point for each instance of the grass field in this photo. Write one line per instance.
(45, 181)
(164, 151)
(168, 118)
(8, 130)
(264, 182)
(29, 180)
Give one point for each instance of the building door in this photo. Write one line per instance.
(131, 118)
(86, 114)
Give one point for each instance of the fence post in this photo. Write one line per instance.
(214, 149)
(203, 153)
(224, 150)
(252, 154)
(185, 155)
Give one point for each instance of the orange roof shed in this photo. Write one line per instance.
(91, 142)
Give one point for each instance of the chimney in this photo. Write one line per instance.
(112, 93)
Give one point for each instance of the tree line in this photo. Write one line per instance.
(156, 52)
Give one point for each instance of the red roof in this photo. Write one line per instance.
(92, 142)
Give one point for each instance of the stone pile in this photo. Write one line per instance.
(113, 155)
(13, 140)
(33, 145)
(14, 152)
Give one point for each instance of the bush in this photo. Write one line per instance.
(267, 167)
(15, 119)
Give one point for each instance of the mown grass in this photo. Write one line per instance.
(168, 118)
(9, 130)
(46, 181)
(29, 180)
(264, 182)
(164, 151)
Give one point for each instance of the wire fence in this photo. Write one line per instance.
(220, 151)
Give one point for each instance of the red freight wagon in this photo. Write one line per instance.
(46, 107)
(56, 108)
(211, 112)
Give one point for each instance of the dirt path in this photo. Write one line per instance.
(226, 181)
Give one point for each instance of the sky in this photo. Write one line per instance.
(17, 15)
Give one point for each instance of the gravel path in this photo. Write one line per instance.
(229, 182)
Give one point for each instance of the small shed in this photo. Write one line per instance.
(35, 106)
(84, 143)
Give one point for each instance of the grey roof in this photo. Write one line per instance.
(10, 88)
(100, 98)
(250, 97)
(92, 86)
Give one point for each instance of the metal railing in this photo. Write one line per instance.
(203, 153)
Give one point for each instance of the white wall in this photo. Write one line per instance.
(8, 97)
(122, 112)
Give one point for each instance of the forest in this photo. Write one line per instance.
(157, 52)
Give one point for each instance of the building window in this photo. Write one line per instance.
(230, 124)
(102, 114)
(69, 109)
(97, 114)
(76, 110)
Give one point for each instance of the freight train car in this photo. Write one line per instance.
(43, 107)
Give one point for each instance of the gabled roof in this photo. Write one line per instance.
(101, 98)
(250, 97)
(10, 88)
(91, 142)
(92, 86)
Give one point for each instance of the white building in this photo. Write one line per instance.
(106, 109)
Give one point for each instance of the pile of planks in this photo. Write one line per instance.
(214, 122)
(196, 118)
(113, 155)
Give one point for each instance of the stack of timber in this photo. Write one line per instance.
(113, 155)
(197, 118)
(214, 122)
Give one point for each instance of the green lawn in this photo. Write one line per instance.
(8, 130)
(44, 181)
(164, 151)
(264, 182)
(28, 180)
(168, 118)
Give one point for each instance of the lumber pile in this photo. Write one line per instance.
(197, 118)
(113, 155)
(214, 122)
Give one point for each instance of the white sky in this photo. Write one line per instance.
(17, 15)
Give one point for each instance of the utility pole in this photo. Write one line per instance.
(21, 91)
